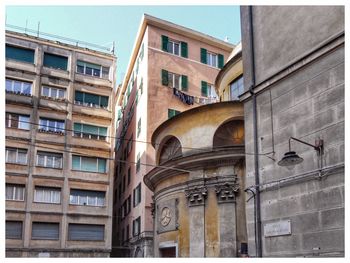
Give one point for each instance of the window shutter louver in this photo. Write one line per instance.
(184, 82)
(164, 43)
(86, 232)
(165, 78)
(220, 61)
(55, 61)
(204, 55)
(204, 88)
(45, 231)
(14, 229)
(184, 52)
(20, 54)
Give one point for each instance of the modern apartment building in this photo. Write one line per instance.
(171, 69)
(59, 148)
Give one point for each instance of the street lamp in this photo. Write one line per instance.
(290, 158)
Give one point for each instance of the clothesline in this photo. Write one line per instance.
(188, 99)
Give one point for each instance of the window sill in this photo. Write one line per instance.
(91, 107)
(14, 200)
(19, 93)
(53, 99)
(83, 171)
(40, 166)
(90, 139)
(38, 202)
(17, 163)
(100, 206)
(21, 61)
(93, 77)
(14, 128)
(58, 69)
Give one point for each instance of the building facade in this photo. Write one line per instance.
(171, 69)
(59, 148)
(293, 62)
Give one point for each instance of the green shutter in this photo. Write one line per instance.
(184, 83)
(119, 114)
(55, 61)
(137, 97)
(77, 127)
(184, 52)
(90, 129)
(20, 54)
(104, 101)
(91, 98)
(102, 131)
(170, 113)
(204, 89)
(165, 77)
(164, 43)
(101, 165)
(204, 55)
(220, 60)
(79, 96)
(75, 162)
(94, 66)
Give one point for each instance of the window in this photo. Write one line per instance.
(14, 120)
(18, 87)
(208, 90)
(51, 125)
(14, 229)
(45, 231)
(51, 92)
(129, 144)
(87, 197)
(138, 127)
(129, 175)
(55, 61)
(236, 88)
(49, 159)
(90, 131)
(16, 155)
(174, 80)
(142, 51)
(89, 164)
(136, 226)
(138, 163)
(127, 232)
(85, 232)
(137, 195)
(91, 69)
(48, 195)
(91, 100)
(172, 113)
(174, 47)
(15, 192)
(124, 183)
(212, 59)
(20, 54)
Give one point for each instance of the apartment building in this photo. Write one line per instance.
(172, 69)
(59, 148)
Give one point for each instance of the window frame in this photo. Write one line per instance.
(17, 150)
(238, 88)
(102, 70)
(9, 120)
(54, 155)
(97, 164)
(57, 97)
(90, 104)
(210, 59)
(15, 187)
(173, 43)
(22, 83)
(89, 135)
(51, 190)
(86, 197)
(48, 128)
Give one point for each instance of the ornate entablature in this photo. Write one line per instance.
(196, 195)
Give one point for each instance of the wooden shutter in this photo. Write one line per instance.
(170, 113)
(184, 83)
(204, 55)
(45, 230)
(86, 232)
(220, 60)
(204, 88)
(164, 43)
(184, 52)
(14, 229)
(165, 78)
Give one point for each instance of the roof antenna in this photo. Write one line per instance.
(226, 39)
(38, 28)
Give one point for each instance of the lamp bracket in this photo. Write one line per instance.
(317, 147)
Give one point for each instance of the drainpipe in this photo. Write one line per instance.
(255, 128)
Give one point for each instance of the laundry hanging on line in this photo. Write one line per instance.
(183, 97)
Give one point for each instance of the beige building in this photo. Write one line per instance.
(59, 148)
(172, 69)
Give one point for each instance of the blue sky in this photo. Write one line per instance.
(102, 25)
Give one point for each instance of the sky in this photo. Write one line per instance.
(101, 25)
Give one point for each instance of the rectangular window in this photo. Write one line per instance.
(174, 47)
(45, 231)
(172, 113)
(55, 61)
(48, 195)
(91, 100)
(16, 155)
(87, 197)
(51, 125)
(236, 88)
(86, 232)
(129, 144)
(18, 87)
(137, 195)
(20, 54)
(15, 192)
(14, 229)
(136, 226)
(89, 164)
(127, 232)
(14, 120)
(138, 163)
(51, 92)
(174, 80)
(129, 175)
(138, 127)
(128, 202)
(124, 183)
(91, 69)
(49, 159)
(90, 131)
(212, 59)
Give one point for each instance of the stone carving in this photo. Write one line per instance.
(196, 195)
(226, 192)
(167, 215)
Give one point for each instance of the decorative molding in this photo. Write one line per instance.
(226, 192)
(167, 215)
(196, 195)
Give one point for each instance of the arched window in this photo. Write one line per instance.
(229, 134)
(170, 150)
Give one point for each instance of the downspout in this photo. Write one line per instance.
(255, 129)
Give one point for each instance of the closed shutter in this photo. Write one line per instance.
(14, 229)
(184, 52)
(104, 101)
(164, 43)
(79, 96)
(220, 61)
(101, 165)
(77, 127)
(204, 55)
(90, 129)
(86, 232)
(91, 98)
(102, 131)
(165, 78)
(20, 54)
(171, 113)
(45, 230)
(55, 61)
(75, 162)
(204, 89)
(184, 83)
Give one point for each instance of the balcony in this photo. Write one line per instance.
(64, 74)
(93, 80)
(29, 67)
(91, 110)
(55, 104)
(19, 98)
(50, 136)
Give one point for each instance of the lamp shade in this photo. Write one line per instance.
(290, 159)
